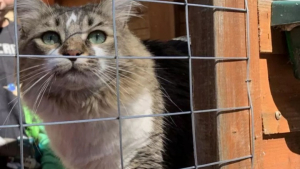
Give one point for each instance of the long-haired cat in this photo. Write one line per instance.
(66, 89)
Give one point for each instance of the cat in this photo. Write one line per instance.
(66, 89)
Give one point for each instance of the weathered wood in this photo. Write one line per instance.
(281, 151)
(255, 83)
(233, 126)
(264, 10)
(280, 93)
(161, 21)
(223, 34)
(204, 82)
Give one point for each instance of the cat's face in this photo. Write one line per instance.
(83, 31)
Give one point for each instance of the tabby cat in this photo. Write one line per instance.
(67, 89)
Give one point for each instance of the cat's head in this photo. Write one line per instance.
(79, 31)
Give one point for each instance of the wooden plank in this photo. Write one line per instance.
(271, 40)
(161, 21)
(221, 36)
(255, 84)
(204, 81)
(233, 126)
(264, 10)
(280, 93)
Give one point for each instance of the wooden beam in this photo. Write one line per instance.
(234, 127)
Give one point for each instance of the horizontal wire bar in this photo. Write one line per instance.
(124, 117)
(220, 162)
(224, 161)
(9, 126)
(132, 57)
(155, 115)
(196, 5)
(58, 56)
(188, 167)
(223, 109)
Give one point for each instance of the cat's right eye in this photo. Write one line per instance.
(50, 38)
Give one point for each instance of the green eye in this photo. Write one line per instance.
(97, 37)
(50, 38)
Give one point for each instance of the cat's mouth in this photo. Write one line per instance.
(71, 72)
(75, 76)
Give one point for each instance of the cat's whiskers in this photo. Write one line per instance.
(124, 78)
(143, 71)
(22, 81)
(32, 74)
(120, 91)
(32, 67)
(41, 78)
(93, 71)
(121, 87)
(44, 90)
(54, 76)
(102, 74)
(163, 91)
(40, 91)
(111, 72)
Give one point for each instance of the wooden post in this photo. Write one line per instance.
(222, 33)
(204, 81)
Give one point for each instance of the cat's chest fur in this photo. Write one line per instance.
(97, 144)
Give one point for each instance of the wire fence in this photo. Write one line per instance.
(190, 58)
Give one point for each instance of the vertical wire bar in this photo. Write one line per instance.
(118, 81)
(248, 83)
(18, 84)
(191, 82)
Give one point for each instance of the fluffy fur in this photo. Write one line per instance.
(59, 89)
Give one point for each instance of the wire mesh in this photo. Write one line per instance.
(189, 57)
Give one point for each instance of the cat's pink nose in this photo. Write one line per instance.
(72, 53)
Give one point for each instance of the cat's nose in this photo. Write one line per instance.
(72, 53)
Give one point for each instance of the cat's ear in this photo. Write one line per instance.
(30, 10)
(124, 9)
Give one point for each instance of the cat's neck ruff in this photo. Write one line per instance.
(96, 141)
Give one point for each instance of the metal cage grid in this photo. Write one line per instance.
(192, 112)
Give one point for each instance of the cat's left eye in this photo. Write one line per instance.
(97, 37)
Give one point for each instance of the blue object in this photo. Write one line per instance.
(11, 87)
